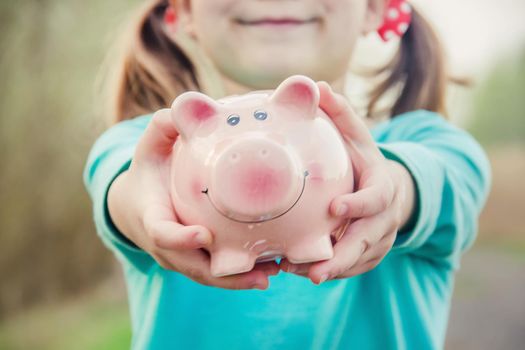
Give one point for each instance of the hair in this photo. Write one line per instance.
(151, 71)
(419, 67)
(154, 70)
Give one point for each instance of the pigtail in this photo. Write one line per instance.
(152, 71)
(419, 70)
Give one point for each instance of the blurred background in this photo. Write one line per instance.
(61, 289)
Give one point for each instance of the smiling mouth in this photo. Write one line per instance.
(281, 22)
(264, 218)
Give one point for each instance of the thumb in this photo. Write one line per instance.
(158, 138)
(362, 146)
(343, 116)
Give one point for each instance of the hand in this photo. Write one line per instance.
(140, 205)
(381, 204)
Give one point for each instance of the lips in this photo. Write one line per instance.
(270, 21)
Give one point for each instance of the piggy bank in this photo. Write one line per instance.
(259, 171)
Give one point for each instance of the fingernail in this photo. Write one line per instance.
(323, 278)
(291, 268)
(324, 82)
(259, 285)
(341, 210)
(364, 246)
(202, 238)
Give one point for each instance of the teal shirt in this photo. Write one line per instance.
(401, 304)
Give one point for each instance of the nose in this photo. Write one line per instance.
(236, 155)
(255, 178)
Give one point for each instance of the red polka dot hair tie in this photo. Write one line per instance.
(396, 21)
(170, 16)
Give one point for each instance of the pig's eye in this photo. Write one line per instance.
(233, 119)
(260, 115)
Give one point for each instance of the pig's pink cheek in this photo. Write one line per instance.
(196, 189)
(315, 172)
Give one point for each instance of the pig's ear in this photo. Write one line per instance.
(192, 110)
(299, 92)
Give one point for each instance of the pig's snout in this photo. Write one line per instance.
(255, 179)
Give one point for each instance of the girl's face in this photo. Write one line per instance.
(258, 43)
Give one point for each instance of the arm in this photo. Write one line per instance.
(419, 191)
(134, 214)
(452, 177)
(109, 157)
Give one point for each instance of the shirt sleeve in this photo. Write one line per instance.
(452, 177)
(109, 157)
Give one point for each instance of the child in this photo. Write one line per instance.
(420, 183)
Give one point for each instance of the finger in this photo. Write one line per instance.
(298, 269)
(343, 116)
(363, 158)
(380, 249)
(172, 235)
(161, 226)
(270, 268)
(159, 136)
(196, 265)
(358, 238)
(372, 257)
(365, 202)
(254, 279)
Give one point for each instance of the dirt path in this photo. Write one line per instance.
(488, 309)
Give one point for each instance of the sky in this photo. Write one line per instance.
(477, 33)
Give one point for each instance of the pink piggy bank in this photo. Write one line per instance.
(260, 171)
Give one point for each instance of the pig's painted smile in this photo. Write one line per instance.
(263, 218)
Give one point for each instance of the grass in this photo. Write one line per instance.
(93, 321)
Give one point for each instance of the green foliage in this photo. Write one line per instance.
(93, 322)
(50, 52)
(498, 116)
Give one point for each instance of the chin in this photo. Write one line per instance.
(267, 73)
